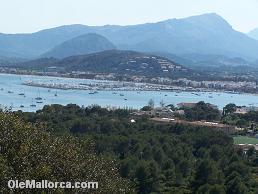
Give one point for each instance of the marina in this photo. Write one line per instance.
(18, 95)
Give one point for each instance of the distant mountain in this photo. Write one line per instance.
(9, 61)
(84, 44)
(35, 44)
(206, 61)
(216, 60)
(254, 33)
(207, 34)
(114, 61)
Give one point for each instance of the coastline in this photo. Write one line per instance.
(159, 87)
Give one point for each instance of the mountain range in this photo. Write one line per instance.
(207, 34)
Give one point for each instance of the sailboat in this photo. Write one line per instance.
(32, 104)
(21, 94)
(38, 97)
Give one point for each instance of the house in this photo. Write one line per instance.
(186, 105)
(245, 110)
(179, 112)
(163, 112)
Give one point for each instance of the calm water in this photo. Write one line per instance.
(13, 83)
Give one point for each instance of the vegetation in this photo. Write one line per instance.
(27, 153)
(119, 62)
(202, 111)
(157, 158)
(250, 119)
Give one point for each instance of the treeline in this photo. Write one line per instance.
(156, 158)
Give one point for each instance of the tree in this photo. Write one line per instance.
(29, 153)
(229, 109)
(151, 103)
(236, 186)
(162, 103)
(251, 152)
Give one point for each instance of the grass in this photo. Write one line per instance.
(245, 140)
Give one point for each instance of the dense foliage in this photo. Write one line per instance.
(27, 153)
(246, 120)
(202, 111)
(158, 158)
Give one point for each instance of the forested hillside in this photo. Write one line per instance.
(157, 158)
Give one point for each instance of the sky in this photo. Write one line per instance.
(25, 16)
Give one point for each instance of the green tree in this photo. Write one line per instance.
(27, 153)
(229, 109)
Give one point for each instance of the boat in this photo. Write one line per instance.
(10, 92)
(122, 95)
(38, 97)
(56, 94)
(21, 94)
(32, 104)
(125, 99)
(91, 93)
(39, 102)
(21, 106)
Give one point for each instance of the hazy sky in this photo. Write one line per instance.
(33, 15)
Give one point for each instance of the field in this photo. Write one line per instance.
(245, 140)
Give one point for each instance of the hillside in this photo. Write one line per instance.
(207, 34)
(206, 61)
(114, 61)
(254, 34)
(84, 44)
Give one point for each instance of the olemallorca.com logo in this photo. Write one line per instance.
(45, 184)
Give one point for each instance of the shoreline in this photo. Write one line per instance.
(171, 87)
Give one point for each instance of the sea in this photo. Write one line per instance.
(15, 95)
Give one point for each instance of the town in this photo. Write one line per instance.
(154, 83)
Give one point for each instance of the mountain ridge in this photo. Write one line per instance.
(202, 34)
